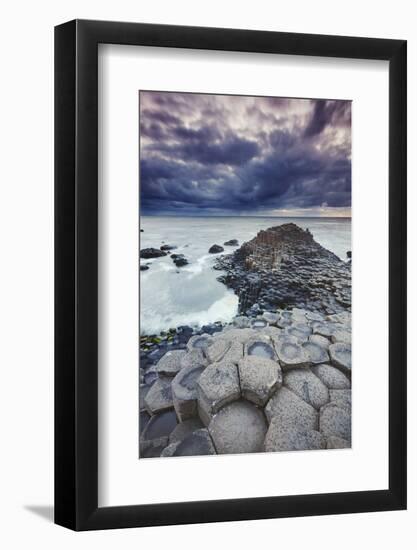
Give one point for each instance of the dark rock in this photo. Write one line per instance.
(215, 249)
(151, 253)
(160, 425)
(349, 254)
(144, 267)
(180, 262)
(232, 242)
(166, 247)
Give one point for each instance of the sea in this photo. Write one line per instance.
(191, 295)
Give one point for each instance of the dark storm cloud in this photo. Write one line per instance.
(203, 154)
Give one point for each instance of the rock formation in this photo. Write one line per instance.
(284, 267)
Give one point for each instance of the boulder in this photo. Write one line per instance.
(144, 267)
(332, 377)
(152, 448)
(307, 386)
(166, 247)
(288, 408)
(151, 253)
(199, 341)
(180, 262)
(340, 356)
(319, 340)
(196, 443)
(232, 242)
(259, 378)
(299, 331)
(341, 335)
(291, 354)
(241, 322)
(183, 429)
(238, 428)
(334, 442)
(283, 437)
(184, 391)
(194, 358)
(160, 425)
(217, 386)
(170, 363)
(317, 353)
(159, 397)
(342, 398)
(335, 421)
(270, 317)
(215, 249)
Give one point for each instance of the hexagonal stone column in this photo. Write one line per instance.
(238, 428)
(340, 356)
(331, 377)
(199, 341)
(259, 378)
(184, 392)
(170, 363)
(196, 443)
(283, 437)
(307, 386)
(260, 346)
(217, 386)
(335, 421)
(291, 354)
(288, 408)
(342, 398)
(318, 354)
(159, 397)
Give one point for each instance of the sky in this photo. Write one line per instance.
(208, 155)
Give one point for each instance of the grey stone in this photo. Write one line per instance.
(217, 350)
(169, 451)
(341, 335)
(199, 341)
(299, 331)
(343, 318)
(334, 442)
(307, 386)
(170, 363)
(258, 323)
(152, 448)
(284, 437)
(320, 340)
(291, 354)
(317, 353)
(342, 398)
(160, 425)
(335, 421)
(195, 444)
(259, 378)
(144, 418)
(260, 346)
(238, 428)
(217, 386)
(298, 314)
(159, 397)
(184, 392)
(314, 316)
(271, 318)
(324, 329)
(241, 322)
(184, 428)
(273, 332)
(234, 354)
(143, 391)
(194, 358)
(340, 356)
(332, 377)
(236, 334)
(288, 408)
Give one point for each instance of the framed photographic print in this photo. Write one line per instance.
(230, 275)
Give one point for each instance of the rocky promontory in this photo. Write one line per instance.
(284, 266)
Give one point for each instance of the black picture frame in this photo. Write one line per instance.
(76, 272)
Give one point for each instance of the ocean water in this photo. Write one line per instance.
(191, 295)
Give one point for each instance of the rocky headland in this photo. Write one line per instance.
(277, 378)
(285, 267)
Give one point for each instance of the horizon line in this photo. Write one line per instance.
(237, 216)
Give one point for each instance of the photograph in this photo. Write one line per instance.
(245, 274)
